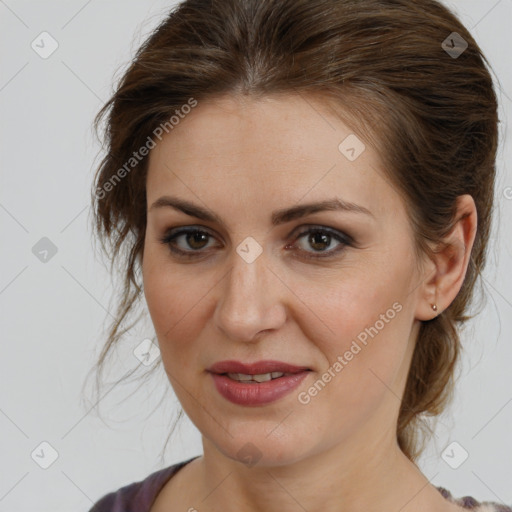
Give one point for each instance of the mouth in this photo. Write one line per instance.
(258, 383)
(259, 371)
(260, 377)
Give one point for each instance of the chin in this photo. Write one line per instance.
(258, 449)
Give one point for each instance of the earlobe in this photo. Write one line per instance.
(428, 306)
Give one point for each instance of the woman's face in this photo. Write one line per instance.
(254, 285)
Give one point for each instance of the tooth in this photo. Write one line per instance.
(243, 377)
(240, 376)
(262, 377)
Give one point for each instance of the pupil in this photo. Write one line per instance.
(196, 237)
(324, 240)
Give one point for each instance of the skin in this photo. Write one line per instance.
(243, 159)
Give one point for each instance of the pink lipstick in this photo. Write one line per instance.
(258, 383)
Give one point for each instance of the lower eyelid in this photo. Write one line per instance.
(170, 239)
(342, 239)
(332, 251)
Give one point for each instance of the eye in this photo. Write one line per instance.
(195, 240)
(320, 239)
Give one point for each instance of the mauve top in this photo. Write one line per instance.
(140, 496)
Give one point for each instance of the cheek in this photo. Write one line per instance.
(170, 298)
(367, 336)
(348, 309)
(179, 304)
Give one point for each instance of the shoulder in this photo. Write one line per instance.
(470, 503)
(137, 496)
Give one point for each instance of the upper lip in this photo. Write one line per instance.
(256, 368)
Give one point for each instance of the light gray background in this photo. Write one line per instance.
(53, 313)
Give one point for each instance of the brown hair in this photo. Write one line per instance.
(431, 114)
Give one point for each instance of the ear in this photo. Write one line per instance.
(444, 274)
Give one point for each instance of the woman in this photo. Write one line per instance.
(306, 187)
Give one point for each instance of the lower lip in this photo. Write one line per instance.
(261, 393)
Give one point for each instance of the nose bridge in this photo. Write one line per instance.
(249, 301)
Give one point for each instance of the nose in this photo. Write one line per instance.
(252, 299)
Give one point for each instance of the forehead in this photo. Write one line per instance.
(269, 150)
(293, 126)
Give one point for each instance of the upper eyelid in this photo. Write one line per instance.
(298, 230)
(341, 236)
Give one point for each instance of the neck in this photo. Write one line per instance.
(373, 478)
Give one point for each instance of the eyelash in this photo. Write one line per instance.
(344, 239)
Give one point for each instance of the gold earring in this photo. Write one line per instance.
(434, 307)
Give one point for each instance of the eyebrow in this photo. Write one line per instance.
(278, 217)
